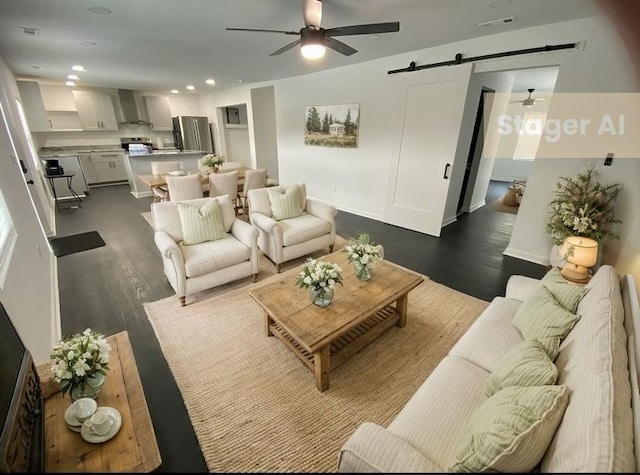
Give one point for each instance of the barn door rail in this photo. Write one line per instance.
(459, 59)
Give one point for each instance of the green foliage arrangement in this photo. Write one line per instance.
(583, 207)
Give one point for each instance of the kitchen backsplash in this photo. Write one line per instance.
(45, 140)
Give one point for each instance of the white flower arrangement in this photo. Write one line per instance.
(319, 275)
(211, 160)
(79, 358)
(362, 251)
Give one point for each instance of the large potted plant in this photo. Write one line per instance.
(582, 206)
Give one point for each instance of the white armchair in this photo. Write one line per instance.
(294, 237)
(193, 268)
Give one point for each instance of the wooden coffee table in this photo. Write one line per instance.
(323, 338)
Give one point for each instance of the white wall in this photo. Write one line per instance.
(29, 293)
(264, 122)
(508, 169)
(354, 179)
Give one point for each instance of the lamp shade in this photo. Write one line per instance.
(580, 251)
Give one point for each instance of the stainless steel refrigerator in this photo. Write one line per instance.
(192, 133)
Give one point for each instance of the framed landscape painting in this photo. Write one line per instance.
(332, 126)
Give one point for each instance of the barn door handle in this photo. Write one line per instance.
(446, 171)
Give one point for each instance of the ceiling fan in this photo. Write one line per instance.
(529, 101)
(314, 39)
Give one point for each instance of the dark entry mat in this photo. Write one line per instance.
(76, 243)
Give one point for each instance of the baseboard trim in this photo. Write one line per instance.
(449, 220)
(358, 212)
(478, 205)
(526, 256)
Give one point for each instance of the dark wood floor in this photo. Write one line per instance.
(104, 288)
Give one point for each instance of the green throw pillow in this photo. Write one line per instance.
(526, 364)
(285, 205)
(543, 318)
(201, 224)
(511, 431)
(567, 295)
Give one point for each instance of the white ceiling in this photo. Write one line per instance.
(159, 45)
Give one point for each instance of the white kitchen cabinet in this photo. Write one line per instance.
(159, 113)
(40, 119)
(108, 167)
(87, 168)
(95, 110)
(58, 98)
(33, 107)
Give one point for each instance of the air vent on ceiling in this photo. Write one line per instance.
(30, 31)
(500, 21)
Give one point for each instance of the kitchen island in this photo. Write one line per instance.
(141, 165)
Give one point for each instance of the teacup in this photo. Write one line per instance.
(99, 423)
(83, 408)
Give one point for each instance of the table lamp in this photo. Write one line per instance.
(580, 254)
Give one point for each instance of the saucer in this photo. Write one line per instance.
(115, 427)
(177, 173)
(71, 420)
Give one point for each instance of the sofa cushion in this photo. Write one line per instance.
(567, 295)
(303, 228)
(210, 256)
(596, 434)
(511, 430)
(434, 418)
(526, 364)
(285, 204)
(491, 336)
(201, 224)
(543, 318)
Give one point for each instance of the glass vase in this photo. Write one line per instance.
(321, 296)
(91, 387)
(363, 272)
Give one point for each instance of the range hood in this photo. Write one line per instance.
(132, 114)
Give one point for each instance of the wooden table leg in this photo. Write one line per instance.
(267, 323)
(322, 365)
(401, 308)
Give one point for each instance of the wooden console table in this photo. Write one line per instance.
(132, 449)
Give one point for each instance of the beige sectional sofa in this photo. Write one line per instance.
(595, 361)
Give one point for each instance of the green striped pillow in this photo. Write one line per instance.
(511, 431)
(567, 295)
(526, 364)
(201, 224)
(543, 318)
(285, 205)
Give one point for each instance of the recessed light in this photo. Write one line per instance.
(190, 87)
(240, 80)
(69, 83)
(100, 10)
(174, 91)
(77, 67)
(210, 82)
(73, 76)
(498, 3)
(36, 67)
(89, 43)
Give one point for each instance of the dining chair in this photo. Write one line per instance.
(186, 187)
(161, 193)
(225, 184)
(253, 178)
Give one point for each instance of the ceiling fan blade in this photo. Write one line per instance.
(312, 12)
(264, 31)
(286, 48)
(368, 29)
(340, 47)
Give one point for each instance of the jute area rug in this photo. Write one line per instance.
(254, 405)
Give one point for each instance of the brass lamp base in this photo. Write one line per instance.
(575, 273)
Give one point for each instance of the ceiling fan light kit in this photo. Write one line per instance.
(314, 40)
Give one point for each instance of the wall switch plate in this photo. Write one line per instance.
(608, 160)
